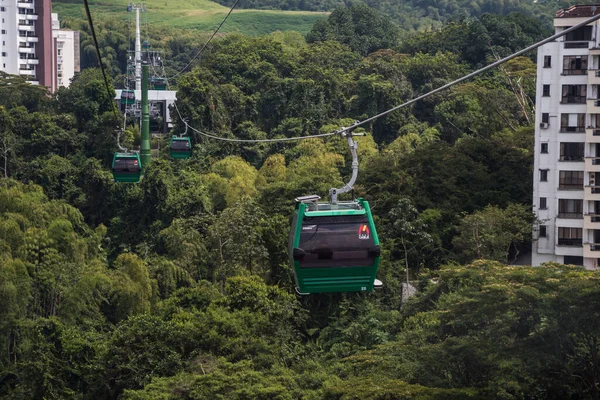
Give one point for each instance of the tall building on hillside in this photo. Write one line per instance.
(566, 188)
(66, 54)
(28, 43)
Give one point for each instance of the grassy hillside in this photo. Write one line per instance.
(195, 14)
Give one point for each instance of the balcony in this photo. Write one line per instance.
(27, 28)
(25, 4)
(592, 134)
(27, 72)
(592, 164)
(27, 50)
(32, 61)
(574, 100)
(584, 44)
(31, 39)
(591, 193)
(591, 221)
(31, 17)
(591, 250)
(593, 106)
(572, 129)
(594, 77)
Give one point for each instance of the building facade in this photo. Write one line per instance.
(66, 54)
(566, 188)
(29, 41)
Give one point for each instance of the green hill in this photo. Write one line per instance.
(203, 15)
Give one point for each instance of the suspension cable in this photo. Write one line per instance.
(479, 71)
(209, 40)
(110, 96)
(446, 86)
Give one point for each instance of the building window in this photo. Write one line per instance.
(543, 175)
(547, 61)
(573, 260)
(575, 65)
(570, 180)
(570, 208)
(546, 90)
(545, 118)
(574, 94)
(571, 151)
(542, 230)
(2, 9)
(544, 149)
(543, 203)
(582, 34)
(3, 32)
(570, 236)
(572, 122)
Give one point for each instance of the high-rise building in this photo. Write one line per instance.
(29, 41)
(566, 188)
(66, 54)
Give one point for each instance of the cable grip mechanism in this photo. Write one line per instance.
(348, 133)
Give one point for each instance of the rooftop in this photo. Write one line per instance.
(578, 11)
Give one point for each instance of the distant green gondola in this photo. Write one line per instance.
(180, 147)
(334, 247)
(126, 167)
(127, 97)
(160, 83)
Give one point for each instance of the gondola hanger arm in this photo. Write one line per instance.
(348, 133)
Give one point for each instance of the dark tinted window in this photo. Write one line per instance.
(337, 242)
(126, 165)
(183, 145)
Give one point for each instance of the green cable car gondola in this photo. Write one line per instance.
(160, 83)
(127, 96)
(180, 147)
(333, 247)
(126, 167)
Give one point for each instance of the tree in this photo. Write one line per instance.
(408, 234)
(494, 233)
(360, 27)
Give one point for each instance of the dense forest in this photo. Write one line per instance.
(179, 287)
(421, 14)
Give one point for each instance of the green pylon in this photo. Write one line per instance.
(145, 145)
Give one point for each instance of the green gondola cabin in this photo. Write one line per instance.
(160, 83)
(126, 167)
(334, 247)
(180, 147)
(127, 97)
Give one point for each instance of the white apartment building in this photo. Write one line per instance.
(30, 43)
(566, 180)
(66, 54)
(26, 39)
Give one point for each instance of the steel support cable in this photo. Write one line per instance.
(239, 140)
(110, 95)
(209, 40)
(446, 86)
(479, 71)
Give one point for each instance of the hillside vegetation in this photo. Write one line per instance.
(201, 15)
(179, 287)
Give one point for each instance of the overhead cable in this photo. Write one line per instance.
(479, 71)
(446, 86)
(108, 91)
(209, 40)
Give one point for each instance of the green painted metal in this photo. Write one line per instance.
(348, 274)
(180, 147)
(126, 167)
(127, 97)
(159, 83)
(145, 151)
